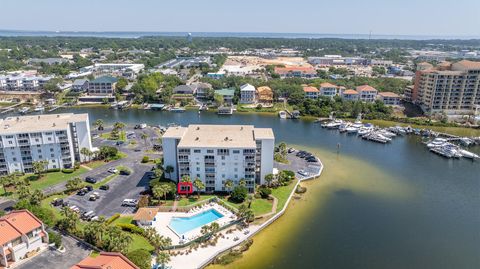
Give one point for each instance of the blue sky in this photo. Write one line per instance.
(398, 17)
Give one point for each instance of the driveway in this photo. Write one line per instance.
(52, 259)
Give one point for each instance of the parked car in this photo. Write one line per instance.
(91, 180)
(94, 196)
(82, 192)
(129, 202)
(312, 160)
(291, 150)
(119, 143)
(105, 187)
(125, 172)
(87, 215)
(302, 172)
(57, 202)
(89, 188)
(113, 170)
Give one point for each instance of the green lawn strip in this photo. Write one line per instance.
(193, 200)
(105, 181)
(139, 242)
(121, 137)
(52, 178)
(282, 193)
(123, 220)
(261, 206)
(95, 164)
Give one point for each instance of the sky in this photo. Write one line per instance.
(391, 17)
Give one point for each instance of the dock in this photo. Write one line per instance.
(56, 107)
(9, 108)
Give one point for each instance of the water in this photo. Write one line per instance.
(375, 206)
(182, 225)
(138, 34)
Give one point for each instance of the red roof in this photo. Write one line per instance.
(350, 92)
(328, 85)
(110, 260)
(310, 89)
(365, 88)
(16, 223)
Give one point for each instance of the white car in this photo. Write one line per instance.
(129, 202)
(302, 173)
(113, 170)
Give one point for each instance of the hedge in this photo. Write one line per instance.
(128, 227)
(113, 218)
(67, 171)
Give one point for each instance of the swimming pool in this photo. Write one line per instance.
(182, 225)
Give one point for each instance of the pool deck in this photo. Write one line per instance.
(163, 220)
(202, 257)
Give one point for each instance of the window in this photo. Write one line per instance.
(209, 150)
(10, 142)
(52, 155)
(236, 151)
(198, 169)
(236, 169)
(14, 159)
(49, 139)
(40, 156)
(51, 150)
(223, 157)
(39, 151)
(197, 151)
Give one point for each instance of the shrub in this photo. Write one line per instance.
(55, 238)
(53, 170)
(131, 228)
(67, 170)
(145, 159)
(264, 192)
(239, 194)
(113, 218)
(140, 258)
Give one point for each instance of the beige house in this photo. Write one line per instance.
(265, 95)
(145, 216)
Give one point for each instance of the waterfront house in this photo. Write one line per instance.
(367, 93)
(22, 234)
(350, 95)
(311, 92)
(203, 89)
(247, 94)
(185, 89)
(80, 85)
(106, 260)
(328, 90)
(389, 98)
(102, 86)
(265, 95)
(227, 95)
(145, 216)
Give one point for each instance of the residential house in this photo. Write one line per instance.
(328, 90)
(247, 94)
(80, 85)
(296, 72)
(265, 95)
(350, 95)
(145, 216)
(311, 92)
(367, 93)
(389, 98)
(102, 86)
(185, 89)
(106, 260)
(202, 89)
(21, 235)
(227, 95)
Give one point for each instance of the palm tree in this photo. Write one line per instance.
(161, 191)
(86, 152)
(199, 186)
(214, 227)
(99, 124)
(39, 167)
(282, 149)
(228, 184)
(186, 179)
(119, 125)
(6, 180)
(144, 137)
(169, 169)
(204, 230)
(250, 199)
(162, 258)
(242, 182)
(269, 179)
(244, 213)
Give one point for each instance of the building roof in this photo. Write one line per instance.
(265, 93)
(79, 82)
(290, 69)
(106, 260)
(16, 223)
(466, 65)
(389, 94)
(105, 79)
(39, 123)
(185, 88)
(350, 92)
(145, 214)
(328, 85)
(247, 87)
(365, 88)
(218, 136)
(175, 132)
(226, 92)
(263, 133)
(310, 89)
(202, 85)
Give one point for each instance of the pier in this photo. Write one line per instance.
(10, 108)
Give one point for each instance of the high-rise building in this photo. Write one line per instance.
(56, 138)
(453, 88)
(216, 153)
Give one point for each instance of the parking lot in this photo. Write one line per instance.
(52, 259)
(297, 164)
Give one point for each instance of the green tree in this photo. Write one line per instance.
(121, 84)
(199, 186)
(69, 221)
(162, 258)
(144, 137)
(74, 184)
(99, 124)
(239, 194)
(161, 190)
(242, 182)
(245, 213)
(39, 167)
(141, 258)
(87, 153)
(228, 184)
(269, 178)
(169, 170)
(186, 179)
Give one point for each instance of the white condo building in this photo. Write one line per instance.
(57, 138)
(216, 153)
(247, 94)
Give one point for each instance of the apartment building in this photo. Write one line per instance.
(350, 95)
(102, 86)
(126, 70)
(367, 93)
(23, 82)
(453, 88)
(296, 72)
(106, 260)
(216, 153)
(21, 233)
(56, 138)
(328, 90)
(311, 92)
(247, 94)
(389, 98)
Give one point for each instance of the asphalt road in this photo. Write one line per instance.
(52, 259)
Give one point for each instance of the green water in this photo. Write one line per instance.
(375, 206)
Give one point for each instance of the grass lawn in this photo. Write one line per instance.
(123, 220)
(275, 108)
(121, 137)
(282, 193)
(53, 178)
(261, 206)
(193, 199)
(95, 164)
(46, 203)
(139, 242)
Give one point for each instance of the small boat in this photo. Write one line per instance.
(352, 130)
(437, 142)
(468, 154)
(225, 110)
(282, 114)
(23, 110)
(334, 124)
(39, 108)
(177, 109)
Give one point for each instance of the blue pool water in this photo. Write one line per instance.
(182, 225)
